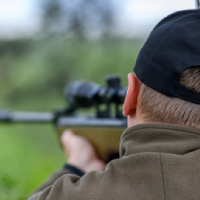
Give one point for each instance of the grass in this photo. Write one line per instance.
(34, 80)
(29, 153)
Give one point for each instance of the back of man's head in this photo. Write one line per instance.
(158, 107)
(169, 68)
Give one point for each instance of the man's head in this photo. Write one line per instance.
(166, 87)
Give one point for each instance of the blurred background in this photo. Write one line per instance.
(46, 44)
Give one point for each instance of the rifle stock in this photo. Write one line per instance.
(104, 134)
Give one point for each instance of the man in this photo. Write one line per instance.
(160, 150)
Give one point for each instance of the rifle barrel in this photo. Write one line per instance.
(86, 121)
(25, 117)
(63, 121)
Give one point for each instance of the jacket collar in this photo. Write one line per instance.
(159, 138)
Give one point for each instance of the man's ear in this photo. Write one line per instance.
(130, 103)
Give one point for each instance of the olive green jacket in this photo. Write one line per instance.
(157, 162)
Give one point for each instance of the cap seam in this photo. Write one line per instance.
(185, 98)
(177, 82)
(159, 43)
(185, 61)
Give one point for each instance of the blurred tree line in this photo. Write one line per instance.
(82, 18)
(77, 41)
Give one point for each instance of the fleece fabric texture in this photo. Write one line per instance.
(157, 162)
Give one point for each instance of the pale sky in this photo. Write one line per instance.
(18, 17)
(140, 16)
(136, 17)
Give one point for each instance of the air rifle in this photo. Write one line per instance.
(103, 128)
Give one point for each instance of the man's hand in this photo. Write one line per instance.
(80, 152)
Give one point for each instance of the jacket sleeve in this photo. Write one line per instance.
(68, 169)
(73, 187)
(68, 186)
(93, 185)
(52, 179)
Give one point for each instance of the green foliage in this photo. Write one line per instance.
(49, 64)
(32, 77)
(29, 153)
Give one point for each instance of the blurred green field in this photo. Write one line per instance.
(33, 74)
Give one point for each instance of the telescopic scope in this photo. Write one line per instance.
(83, 94)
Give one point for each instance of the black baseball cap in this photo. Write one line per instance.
(173, 46)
